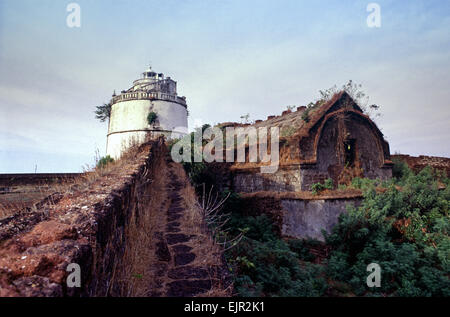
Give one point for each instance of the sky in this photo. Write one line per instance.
(229, 58)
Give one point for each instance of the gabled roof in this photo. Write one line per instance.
(294, 120)
(299, 137)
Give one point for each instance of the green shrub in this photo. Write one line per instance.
(301, 248)
(276, 271)
(305, 115)
(258, 227)
(405, 229)
(318, 187)
(151, 118)
(200, 173)
(195, 172)
(400, 169)
(104, 161)
(329, 184)
(405, 232)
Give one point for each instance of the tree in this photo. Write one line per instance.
(358, 95)
(290, 107)
(103, 112)
(245, 117)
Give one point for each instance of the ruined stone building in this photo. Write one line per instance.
(331, 140)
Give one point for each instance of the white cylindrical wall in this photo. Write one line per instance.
(128, 122)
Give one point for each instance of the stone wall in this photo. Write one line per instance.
(311, 175)
(291, 178)
(33, 261)
(11, 180)
(252, 180)
(299, 217)
(307, 218)
(134, 228)
(368, 149)
(417, 163)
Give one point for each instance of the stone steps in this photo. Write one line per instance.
(178, 276)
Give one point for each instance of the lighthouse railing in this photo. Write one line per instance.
(148, 96)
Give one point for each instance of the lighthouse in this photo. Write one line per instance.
(149, 109)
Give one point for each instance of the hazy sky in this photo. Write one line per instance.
(228, 57)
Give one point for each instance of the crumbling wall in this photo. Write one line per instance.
(417, 163)
(337, 141)
(311, 175)
(331, 163)
(286, 178)
(134, 228)
(88, 229)
(120, 216)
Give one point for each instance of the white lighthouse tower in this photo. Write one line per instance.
(152, 94)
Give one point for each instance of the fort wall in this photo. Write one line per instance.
(115, 226)
(301, 215)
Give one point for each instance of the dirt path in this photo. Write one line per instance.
(182, 266)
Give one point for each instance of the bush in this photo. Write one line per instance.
(266, 265)
(104, 161)
(400, 169)
(405, 232)
(301, 248)
(275, 271)
(200, 173)
(329, 184)
(364, 184)
(318, 187)
(151, 118)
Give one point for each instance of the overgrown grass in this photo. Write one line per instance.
(5, 211)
